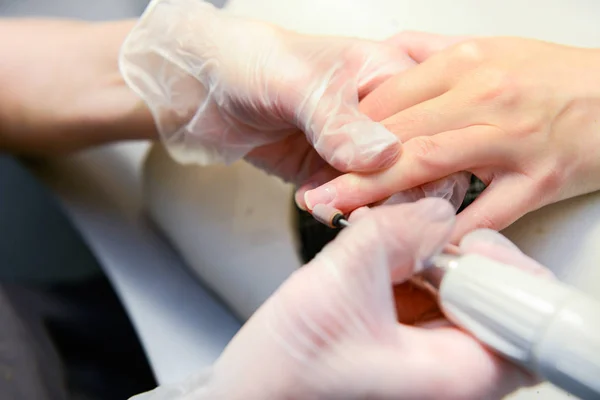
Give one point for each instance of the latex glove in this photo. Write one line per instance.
(222, 87)
(452, 188)
(330, 331)
(520, 114)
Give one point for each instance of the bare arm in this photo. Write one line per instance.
(60, 87)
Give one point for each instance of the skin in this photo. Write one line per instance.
(521, 114)
(65, 92)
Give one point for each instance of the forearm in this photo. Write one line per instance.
(61, 87)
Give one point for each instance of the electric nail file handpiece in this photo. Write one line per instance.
(543, 325)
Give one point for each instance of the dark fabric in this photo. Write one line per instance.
(63, 332)
(30, 368)
(314, 235)
(38, 242)
(96, 354)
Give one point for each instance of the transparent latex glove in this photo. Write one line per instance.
(331, 330)
(221, 87)
(452, 188)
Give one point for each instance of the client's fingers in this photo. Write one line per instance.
(422, 45)
(425, 159)
(325, 174)
(504, 201)
(413, 86)
(449, 111)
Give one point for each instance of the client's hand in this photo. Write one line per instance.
(331, 332)
(222, 87)
(520, 114)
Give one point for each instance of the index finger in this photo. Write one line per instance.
(425, 159)
(413, 86)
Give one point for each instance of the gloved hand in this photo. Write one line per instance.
(330, 331)
(222, 87)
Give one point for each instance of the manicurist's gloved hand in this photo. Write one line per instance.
(331, 330)
(222, 87)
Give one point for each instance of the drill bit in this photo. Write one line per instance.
(332, 217)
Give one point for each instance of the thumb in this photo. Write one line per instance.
(422, 45)
(329, 114)
(347, 288)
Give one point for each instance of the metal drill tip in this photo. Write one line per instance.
(343, 223)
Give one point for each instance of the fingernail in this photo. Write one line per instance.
(301, 191)
(298, 197)
(323, 195)
(488, 236)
